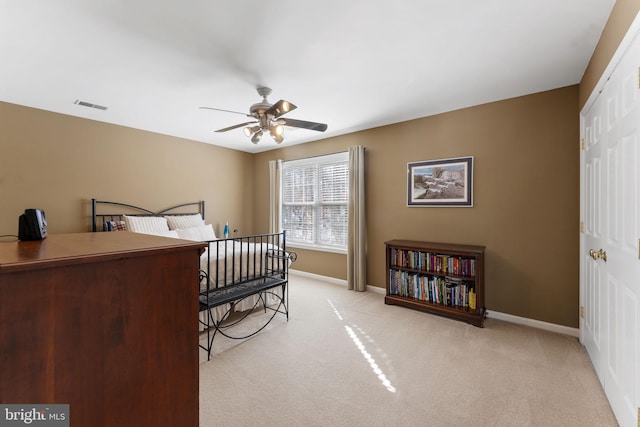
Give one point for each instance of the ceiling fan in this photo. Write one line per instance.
(267, 118)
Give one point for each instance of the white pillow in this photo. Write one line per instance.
(199, 234)
(167, 233)
(142, 224)
(184, 221)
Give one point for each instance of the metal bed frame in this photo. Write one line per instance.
(261, 273)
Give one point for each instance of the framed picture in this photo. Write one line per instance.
(444, 182)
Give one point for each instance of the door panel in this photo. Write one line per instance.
(629, 348)
(630, 193)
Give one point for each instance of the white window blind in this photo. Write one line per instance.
(315, 196)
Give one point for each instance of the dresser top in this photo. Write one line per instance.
(65, 249)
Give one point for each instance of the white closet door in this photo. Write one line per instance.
(610, 255)
(592, 290)
(621, 235)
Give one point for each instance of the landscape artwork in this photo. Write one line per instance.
(444, 182)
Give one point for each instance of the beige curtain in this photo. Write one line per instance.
(357, 243)
(275, 211)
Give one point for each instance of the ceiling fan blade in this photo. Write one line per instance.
(226, 111)
(235, 126)
(320, 127)
(279, 108)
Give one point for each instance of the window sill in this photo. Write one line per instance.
(316, 248)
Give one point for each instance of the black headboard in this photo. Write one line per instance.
(116, 210)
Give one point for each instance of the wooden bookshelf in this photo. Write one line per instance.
(439, 278)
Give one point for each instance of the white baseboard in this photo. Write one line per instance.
(333, 280)
(552, 327)
(318, 277)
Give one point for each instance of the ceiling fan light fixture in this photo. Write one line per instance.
(278, 138)
(250, 130)
(256, 137)
(276, 130)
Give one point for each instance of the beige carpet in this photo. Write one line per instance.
(346, 359)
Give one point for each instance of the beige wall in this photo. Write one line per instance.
(526, 197)
(58, 163)
(622, 15)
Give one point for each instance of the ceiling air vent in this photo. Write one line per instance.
(90, 105)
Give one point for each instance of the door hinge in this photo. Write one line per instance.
(582, 311)
(582, 227)
(582, 144)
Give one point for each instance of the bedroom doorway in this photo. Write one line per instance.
(610, 223)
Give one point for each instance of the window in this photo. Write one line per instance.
(315, 196)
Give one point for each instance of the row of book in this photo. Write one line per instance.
(445, 290)
(437, 263)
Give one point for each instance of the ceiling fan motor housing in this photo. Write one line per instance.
(258, 110)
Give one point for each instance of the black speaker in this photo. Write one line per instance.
(32, 225)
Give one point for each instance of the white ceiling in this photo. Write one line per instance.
(353, 64)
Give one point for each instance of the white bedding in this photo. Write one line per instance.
(237, 261)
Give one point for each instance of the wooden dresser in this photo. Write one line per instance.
(104, 322)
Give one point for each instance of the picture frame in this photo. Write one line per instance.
(442, 182)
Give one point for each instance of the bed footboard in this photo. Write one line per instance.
(237, 271)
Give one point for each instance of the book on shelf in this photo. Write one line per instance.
(472, 300)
